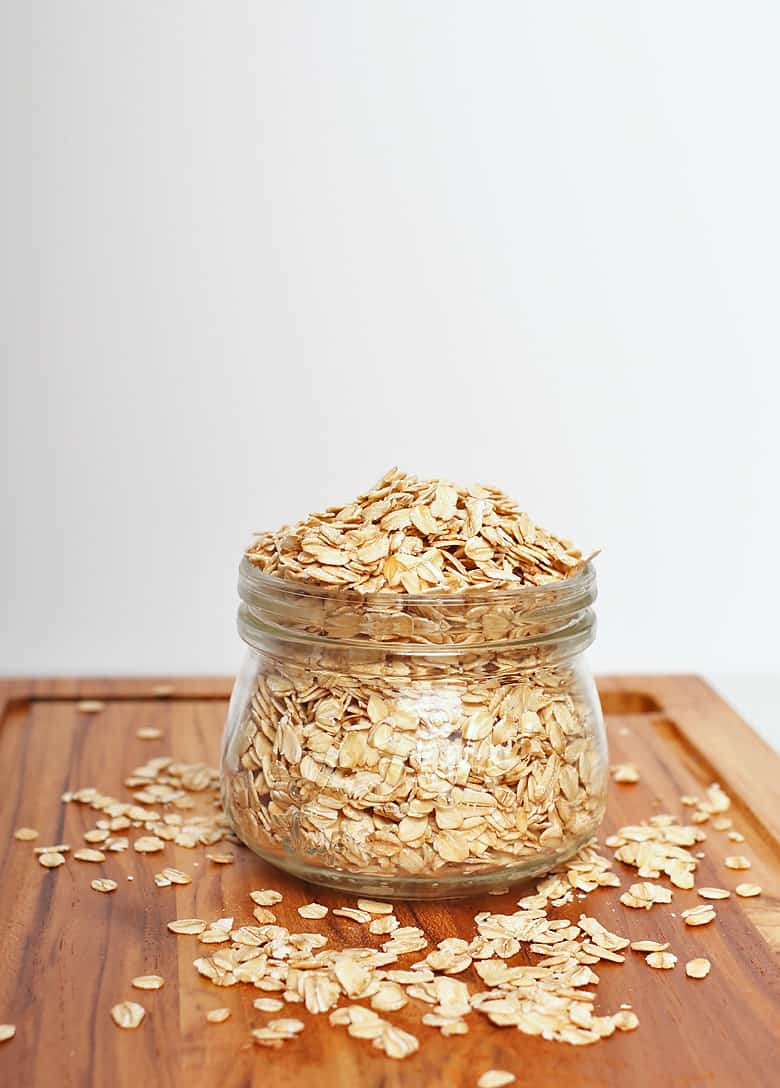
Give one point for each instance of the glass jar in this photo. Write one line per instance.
(415, 746)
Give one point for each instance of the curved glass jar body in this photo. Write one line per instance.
(421, 747)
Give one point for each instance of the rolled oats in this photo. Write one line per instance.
(313, 910)
(645, 895)
(147, 982)
(353, 914)
(89, 855)
(7, 1031)
(747, 891)
(375, 907)
(698, 968)
(128, 1014)
(663, 961)
(737, 861)
(268, 1004)
(25, 834)
(104, 885)
(169, 876)
(266, 898)
(51, 859)
(495, 1078)
(192, 926)
(148, 844)
(624, 773)
(699, 916)
(417, 536)
(221, 859)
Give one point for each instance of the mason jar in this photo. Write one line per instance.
(422, 746)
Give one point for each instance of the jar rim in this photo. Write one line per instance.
(576, 591)
(431, 623)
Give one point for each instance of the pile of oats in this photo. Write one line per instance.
(548, 996)
(414, 536)
(191, 789)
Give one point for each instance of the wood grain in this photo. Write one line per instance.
(68, 953)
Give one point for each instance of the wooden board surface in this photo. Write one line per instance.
(68, 953)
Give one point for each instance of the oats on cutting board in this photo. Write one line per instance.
(495, 1078)
(698, 968)
(25, 834)
(104, 885)
(147, 982)
(128, 1014)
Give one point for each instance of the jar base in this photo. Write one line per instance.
(460, 886)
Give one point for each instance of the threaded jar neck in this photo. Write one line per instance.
(558, 615)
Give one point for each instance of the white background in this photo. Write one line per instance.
(255, 253)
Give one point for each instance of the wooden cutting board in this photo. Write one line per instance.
(68, 953)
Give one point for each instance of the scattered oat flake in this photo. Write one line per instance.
(383, 924)
(737, 861)
(91, 706)
(624, 773)
(148, 733)
(264, 916)
(747, 891)
(221, 859)
(643, 895)
(287, 1025)
(190, 926)
(86, 854)
(128, 1014)
(698, 968)
(699, 916)
(148, 844)
(268, 1004)
(375, 907)
(217, 1016)
(51, 859)
(313, 910)
(147, 982)
(663, 961)
(97, 834)
(104, 885)
(7, 1031)
(25, 834)
(266, 898)
(713, 893)
(169, 876)
(352, 914)
(495, 1078)
(649, 946)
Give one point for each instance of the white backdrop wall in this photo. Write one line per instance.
(255, 253)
